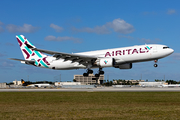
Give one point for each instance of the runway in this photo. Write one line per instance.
(106, 89)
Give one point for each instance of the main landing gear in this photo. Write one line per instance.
(155, 65)
(100, 72)
(89, 71)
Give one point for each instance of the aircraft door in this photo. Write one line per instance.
(154, 49)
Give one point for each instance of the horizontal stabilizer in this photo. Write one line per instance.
(24, 61)
(16, 59)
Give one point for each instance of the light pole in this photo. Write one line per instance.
(60, 77)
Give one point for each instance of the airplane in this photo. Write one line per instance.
(171, 85)
(35, 85)
(39, 85)
(121, 58)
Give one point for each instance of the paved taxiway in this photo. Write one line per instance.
(177, 89)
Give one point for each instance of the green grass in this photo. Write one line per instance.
(90, 105)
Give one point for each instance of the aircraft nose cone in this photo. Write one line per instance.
(171, 51)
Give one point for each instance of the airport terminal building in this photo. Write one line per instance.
(91, 79)
(152, 84)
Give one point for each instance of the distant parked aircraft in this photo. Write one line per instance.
(171, 85)
(121, 58)
(35, 85)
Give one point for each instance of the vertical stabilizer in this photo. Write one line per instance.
(30, 54)
(26, 48)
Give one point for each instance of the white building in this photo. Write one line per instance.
(152, 84)
(2, 85)
(126, 81)
(91, 79)
(66, 83)
(17, 82)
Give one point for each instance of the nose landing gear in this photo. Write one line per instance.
(155, 65)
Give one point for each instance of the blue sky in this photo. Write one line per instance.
(86, 25)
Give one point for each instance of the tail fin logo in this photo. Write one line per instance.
(29, 54)
(25, 50)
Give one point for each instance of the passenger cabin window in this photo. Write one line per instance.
(165, 47)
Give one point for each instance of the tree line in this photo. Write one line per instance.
(125, 82)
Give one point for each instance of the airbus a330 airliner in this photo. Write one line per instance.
(121, 58)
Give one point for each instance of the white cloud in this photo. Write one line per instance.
(6, 64)
(118, 25)
(9, 44)
(98, 30)
(1, 55)
(26, 28)
(144, 40)
(1, 23)
(66, 38)
(128, 37)
(171, 11)
(1, 29)
(56, 27)
(176, 56)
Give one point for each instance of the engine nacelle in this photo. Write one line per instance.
(124, 66)
(105, 62)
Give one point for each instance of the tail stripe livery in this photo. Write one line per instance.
(29, 51)
(43, 64)
(29, 54)
(38, 54)
(20, 43)
(21, 38)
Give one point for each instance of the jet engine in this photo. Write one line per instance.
(105, 62)
(124, 66)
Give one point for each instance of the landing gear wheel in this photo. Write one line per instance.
(90, 71)
(101, 72)
(97, 75)
(155, 65)
(85, 74)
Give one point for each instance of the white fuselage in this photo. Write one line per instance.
(39, 85)
(122, 55)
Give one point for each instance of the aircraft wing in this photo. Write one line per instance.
(67, 56)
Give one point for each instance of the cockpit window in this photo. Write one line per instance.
(165, 47)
